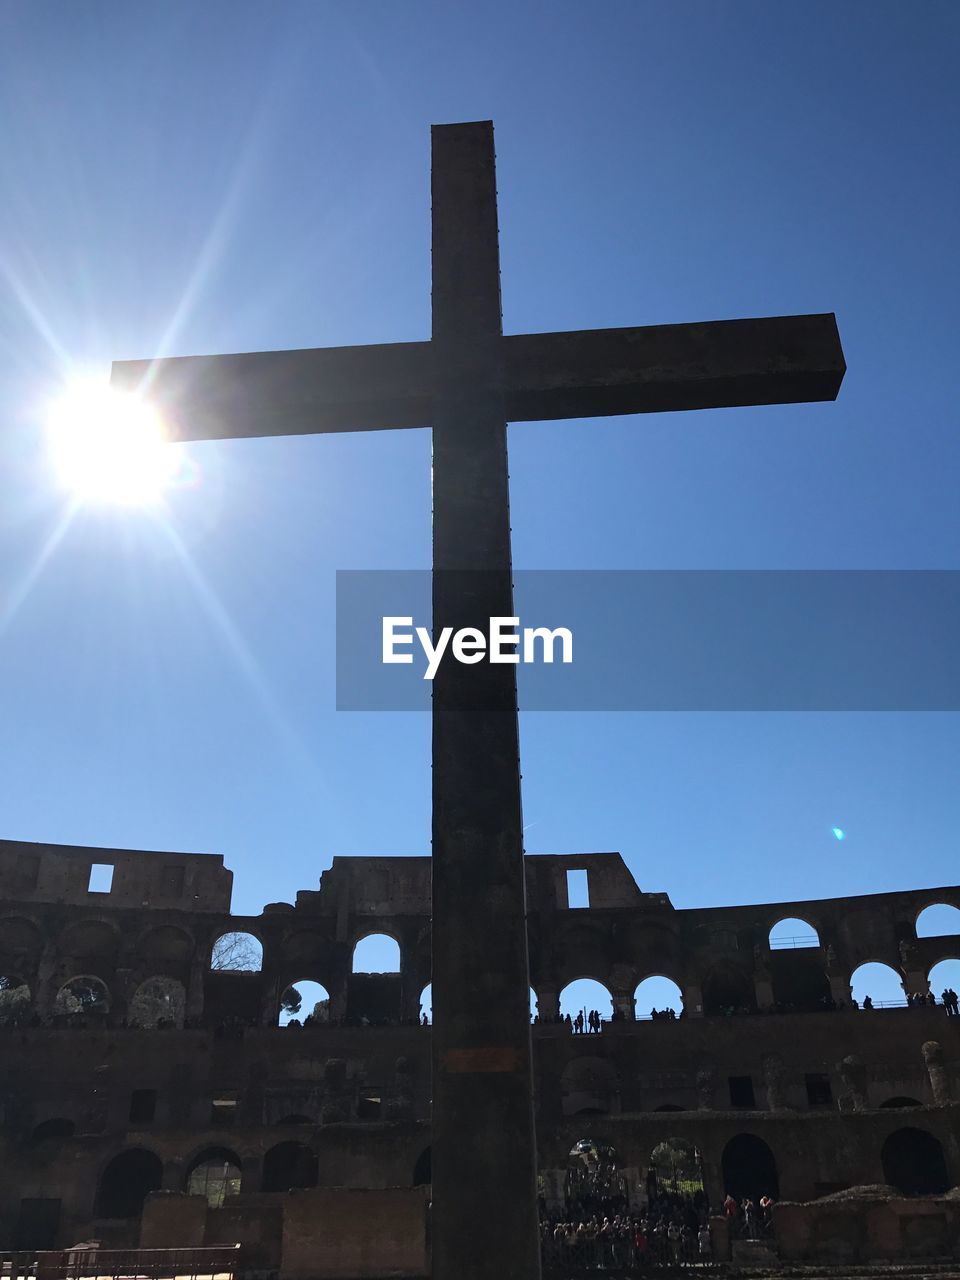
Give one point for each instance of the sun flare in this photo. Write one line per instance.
(110, 446)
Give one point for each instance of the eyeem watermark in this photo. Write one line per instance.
(657, 640)
(506, 642)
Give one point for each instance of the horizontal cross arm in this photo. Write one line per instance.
(595, 372)
(267, 393)
(585, 374)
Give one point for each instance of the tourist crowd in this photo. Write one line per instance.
(594, 1234)
(748, 1219)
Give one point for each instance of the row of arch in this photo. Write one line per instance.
(380, 953)
(156, 1002)
(935, 921)
(658, 994)
(912, 1160)
(214, 1173)
(238, 952)
(171, 950)
(160, 1001)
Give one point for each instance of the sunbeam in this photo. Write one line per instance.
(216, 238)
(237, 649)
(18, 594)
(34, 314)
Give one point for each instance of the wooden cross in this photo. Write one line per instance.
(467, 383)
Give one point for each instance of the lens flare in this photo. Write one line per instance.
(110, 446)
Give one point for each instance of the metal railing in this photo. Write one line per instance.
(809, 940)
(217, 1263)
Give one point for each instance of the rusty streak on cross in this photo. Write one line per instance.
(467, 383)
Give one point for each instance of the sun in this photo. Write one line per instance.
(110, 446)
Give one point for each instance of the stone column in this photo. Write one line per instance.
(772, 1066)
(837, 975)
(713, 1182)
(707, 1087)
(854, 1076)
(762, 983)
(121, 993)
(270, 994)
(936, 1072)
(338, 996)
(251, 1173)
(44, 987)
(763, 989)
(624, 1006)
(840, 988)
(174, 1175)
(692, 1000)
(549, 1005)
(915, 981)
(193, 1012)
(410, 988)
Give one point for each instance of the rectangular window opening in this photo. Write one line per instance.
(578, 889)
(741, 1091)
(143, 1106)
(223, 1110)
(101, 877)
(819, 1090)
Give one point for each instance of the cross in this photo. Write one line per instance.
(467, 383)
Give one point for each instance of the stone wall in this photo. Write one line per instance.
(351, 1234)
(869, 1225)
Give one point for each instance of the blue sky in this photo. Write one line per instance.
(184, 179)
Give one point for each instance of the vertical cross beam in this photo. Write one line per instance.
(484, 1150)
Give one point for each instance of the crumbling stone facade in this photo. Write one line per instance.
(97, 1113)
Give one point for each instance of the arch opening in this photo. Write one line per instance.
(914, 1163)
(658, 998)
(15, 999)
(237, 952)
(376, 953)
(877, 985)
(580, 998)
(749, 1169)
(793, 934)
(304, 1003)
(938, 920)
(82, 995)
(126, 1182)
(944, 979)
(675, 1167)
(158, 1003)
(593, 1183)
(215, 1174)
